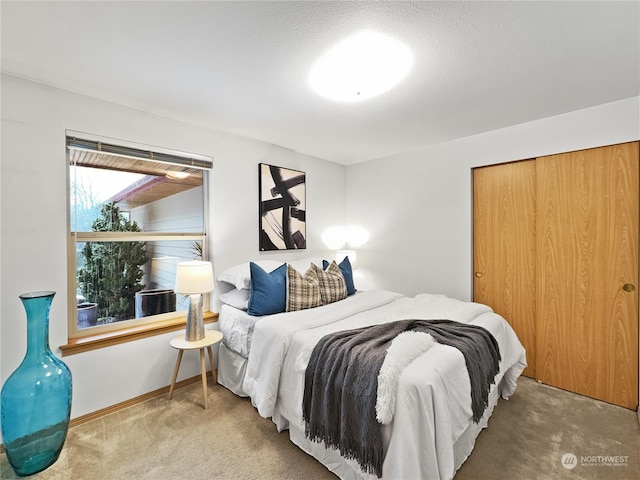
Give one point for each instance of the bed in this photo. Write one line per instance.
(431, 431)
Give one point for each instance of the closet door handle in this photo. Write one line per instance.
(628, 287)
(478, 274)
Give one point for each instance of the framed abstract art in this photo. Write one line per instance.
(282, 198)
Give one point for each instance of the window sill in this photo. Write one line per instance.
(107, 339)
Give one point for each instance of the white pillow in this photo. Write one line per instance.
(237, 298)
(240, 276)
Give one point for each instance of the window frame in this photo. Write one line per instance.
(132, 329)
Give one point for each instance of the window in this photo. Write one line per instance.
(134, 213)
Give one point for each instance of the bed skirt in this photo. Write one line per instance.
(349, 469)
(231, 369)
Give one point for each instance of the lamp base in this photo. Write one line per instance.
(195, 323)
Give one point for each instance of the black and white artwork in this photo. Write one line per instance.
(282, 208)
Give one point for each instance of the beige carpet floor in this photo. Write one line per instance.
(178, 439)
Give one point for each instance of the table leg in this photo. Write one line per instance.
(203, 369)
(175, 373)
(213, 366)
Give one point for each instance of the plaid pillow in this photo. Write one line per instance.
(302, 292)
(332, 284)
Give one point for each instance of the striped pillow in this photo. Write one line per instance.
(332, 284)
(302, 292)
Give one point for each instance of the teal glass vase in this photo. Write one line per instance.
(35, 401)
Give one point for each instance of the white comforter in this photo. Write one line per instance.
(433, 406)
(272, 336)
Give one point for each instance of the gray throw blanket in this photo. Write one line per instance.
(341, 382)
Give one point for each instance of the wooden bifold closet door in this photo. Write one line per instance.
(504, 247)
(580, 326)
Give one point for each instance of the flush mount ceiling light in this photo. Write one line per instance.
(361, 66)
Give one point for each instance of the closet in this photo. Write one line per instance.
(555, 243)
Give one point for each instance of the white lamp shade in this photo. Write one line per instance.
(353, 257)
(194, 277)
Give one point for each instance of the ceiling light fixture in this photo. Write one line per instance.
(360, 67)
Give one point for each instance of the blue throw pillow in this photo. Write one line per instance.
(347, 273)
(268, 290)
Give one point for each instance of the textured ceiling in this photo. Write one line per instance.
(241, 67)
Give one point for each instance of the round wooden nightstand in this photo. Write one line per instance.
(211, 338)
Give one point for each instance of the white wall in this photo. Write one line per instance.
(417, 206)
(33, 228)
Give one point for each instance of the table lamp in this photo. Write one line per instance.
(353, 257)
(194, 278)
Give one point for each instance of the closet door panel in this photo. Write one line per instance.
(587, 272)
(504, 232)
